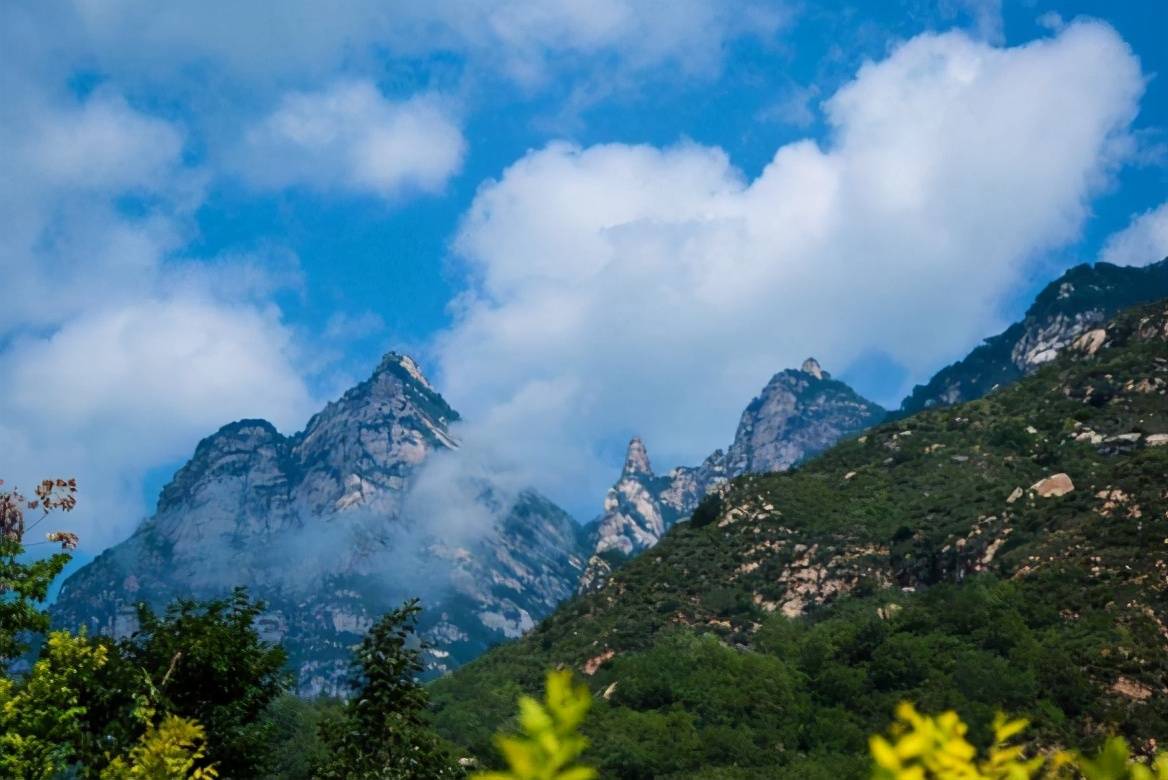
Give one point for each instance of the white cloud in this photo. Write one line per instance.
(117, 353)
(349, 136)
(986, 16)
(262, 41)
(66, 240)
(1051, 20)
(626, 288)
(797, 107)
(114, 393)
(1143, 241)
(155, 370)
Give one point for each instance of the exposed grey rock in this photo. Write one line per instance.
(797, 415)
(318, 525)
(1065, 311)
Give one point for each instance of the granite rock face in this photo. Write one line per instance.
(323, 527)
(1068, 307)
(798, 414)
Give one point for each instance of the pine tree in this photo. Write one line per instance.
(383, 732)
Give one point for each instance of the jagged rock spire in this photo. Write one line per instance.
(811, 366)
(637, 460)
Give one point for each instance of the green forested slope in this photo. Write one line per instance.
(771, 634)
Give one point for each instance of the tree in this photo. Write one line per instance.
(208, 663)
(383, 732)
(84, 709)
(41, 717)
(24, 584)
(296, 740)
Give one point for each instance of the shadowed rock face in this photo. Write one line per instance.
(1073, 304)
(798, 414)
(319, 525)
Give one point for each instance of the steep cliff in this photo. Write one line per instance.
(327, 527)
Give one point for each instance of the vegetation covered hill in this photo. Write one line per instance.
(1010, 553)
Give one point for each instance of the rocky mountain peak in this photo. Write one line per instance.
(319, 526)
(798, 414)
(637, 460)
(811, 366)
(1078, 301)
(398, 362)
(244, 446)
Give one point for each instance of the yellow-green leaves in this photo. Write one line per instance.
(924, 747)
(165, 752)
(41, 722)
(41, 716)
(1113, 763)
(549, 741)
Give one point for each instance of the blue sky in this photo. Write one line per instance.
(588, 220)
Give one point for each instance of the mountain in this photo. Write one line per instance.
(1083, 297)
(1009, 553)
(335, 525)
(798, 414)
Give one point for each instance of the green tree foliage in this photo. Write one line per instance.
(915, 564)
(549, 741)
(144, 707)
(41, 716)
(192, 693)
(44, 720)
(383, 732)
(208, 664)
(295, 726)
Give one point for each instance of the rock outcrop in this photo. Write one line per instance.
(798, 414)
(1053, 486)
(1068, 308)
(328, 528)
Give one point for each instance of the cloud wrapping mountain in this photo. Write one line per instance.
(623, 287)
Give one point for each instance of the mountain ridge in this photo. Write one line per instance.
(1008, 553)
(1084, 295)
(798, 413)
(334, 501)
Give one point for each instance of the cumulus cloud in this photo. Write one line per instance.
(350, 137)
(618, 288)
(1143, 241)
(156, 371)
(118, 353)
(112, 394)
(66, 239)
